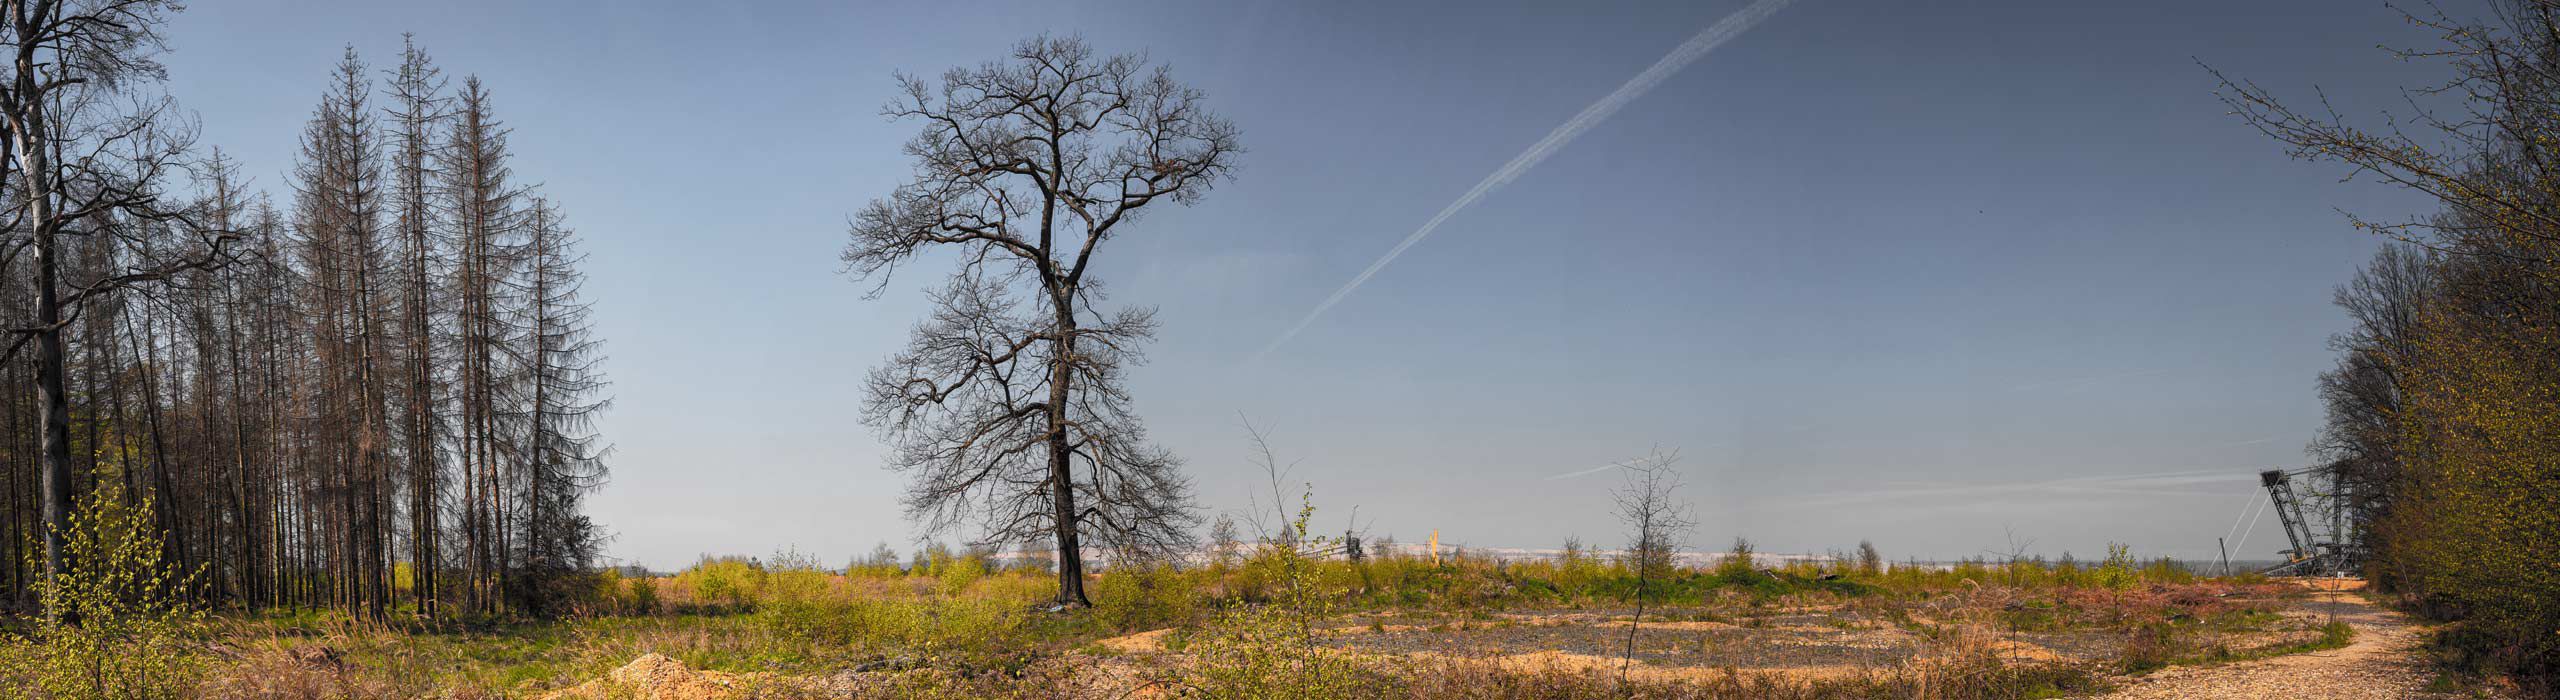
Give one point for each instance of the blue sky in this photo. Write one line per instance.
(1921, 273)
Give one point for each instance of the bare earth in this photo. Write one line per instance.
(2382, 662)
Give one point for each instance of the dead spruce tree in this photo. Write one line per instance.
(564, 459)
(1656, 522)
(382, 379)
(418, 108)
(488, 227)
(338, 213)
(1008, 407)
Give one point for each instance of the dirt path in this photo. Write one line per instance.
(2382, 662)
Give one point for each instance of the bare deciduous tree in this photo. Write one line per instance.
(2486, 159)
(2439, 431)
(2360, 439)
(1008, 406)
(87, 153)
(1657, 522)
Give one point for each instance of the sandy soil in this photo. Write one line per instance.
(2383, 662)
(657, 677)
(1141, 642)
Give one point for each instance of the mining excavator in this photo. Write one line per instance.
(2312, 554)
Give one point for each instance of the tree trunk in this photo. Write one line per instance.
(53, 407)
(1061, 461)
(53, 404)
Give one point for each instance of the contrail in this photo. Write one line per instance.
(1588, 472)
(1620, 464)
(1688, 52)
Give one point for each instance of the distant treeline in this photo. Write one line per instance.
(376, 395)
(2443, 433)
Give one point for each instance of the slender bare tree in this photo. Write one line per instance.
(1008, 407)
(1657, 522)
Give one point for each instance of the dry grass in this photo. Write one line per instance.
(1399, 628)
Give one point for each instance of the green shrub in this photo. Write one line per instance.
(881, 563)
(644, 595)
(404, 579)
(2166, 570)
(117, 624)
(1577, 571)
(1736, 562)
(1272, 650)
(1137, 598)
(2118, 572)
(729, 581)
(609, 594)
(954, 574)
(797, 598)
(2152, 646)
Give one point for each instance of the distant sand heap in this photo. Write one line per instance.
(657, 677)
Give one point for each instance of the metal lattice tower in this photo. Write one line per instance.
(2310, 554)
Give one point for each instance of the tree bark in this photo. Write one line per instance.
(53, 407)
(1062, 462)
(53, 404)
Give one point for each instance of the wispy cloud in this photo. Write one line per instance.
(1688, 52)
(2091, 379)
(2165, 483)
(1630, 461)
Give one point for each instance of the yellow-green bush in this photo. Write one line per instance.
(953, 575)
(2118, 572)
(1271, 650)
(2166, 570)
(116, 624)
(881, 563)
(729, 581)
(404, 579)
(933, 626)
(1737, 561)
(799, 599)
(1135, 598)
(643, 598)
(610, 594)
